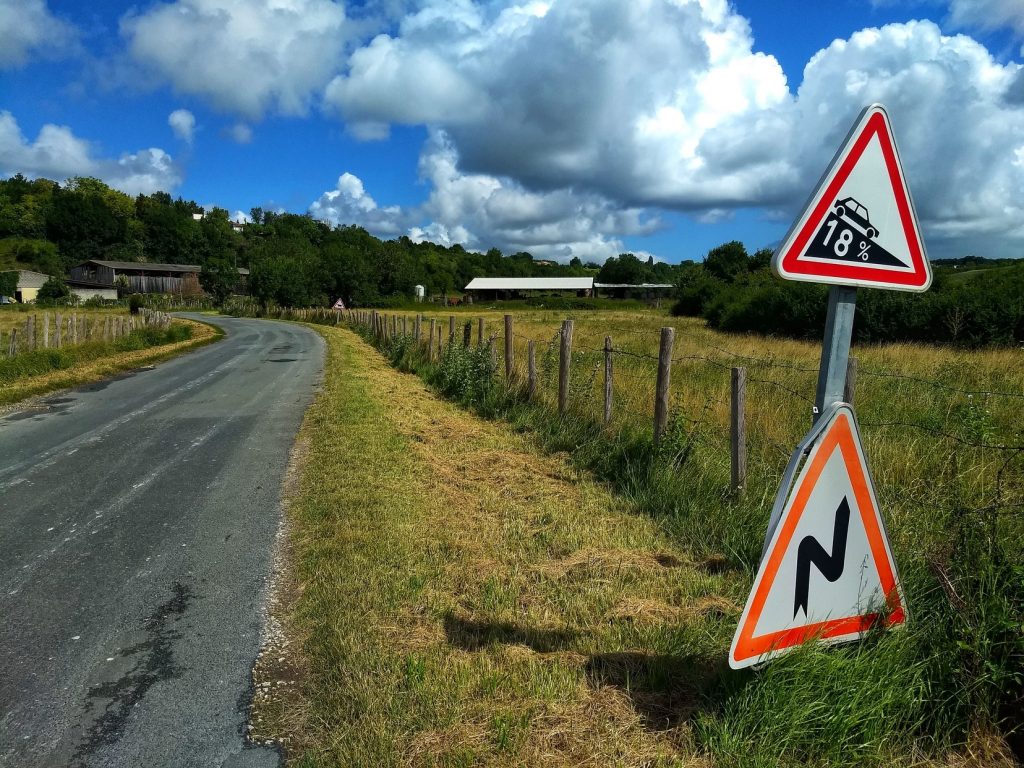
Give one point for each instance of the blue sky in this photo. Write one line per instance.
(564, 128)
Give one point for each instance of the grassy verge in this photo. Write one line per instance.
(35, 373)
(464, 600)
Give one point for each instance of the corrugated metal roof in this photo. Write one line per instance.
(147, 266)
(530, 284)
(29, 279)
(634, 285)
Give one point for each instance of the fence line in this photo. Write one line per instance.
(571, 368)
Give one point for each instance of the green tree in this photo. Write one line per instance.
(727, 261)
(219, 278)
(54, 291)
(8, 284)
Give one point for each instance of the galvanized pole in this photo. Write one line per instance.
(835, 351)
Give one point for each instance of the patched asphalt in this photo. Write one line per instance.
(137, 525)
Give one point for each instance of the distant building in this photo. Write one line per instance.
(85, 291)
(29, 283)
(492, 288)
(143, 277)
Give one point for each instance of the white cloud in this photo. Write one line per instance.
(239, 133)
(958, 134)
(27, 27)
(481, 211)
(665, 104)
(610, 96)
(244, 56)
(349, 203)
(183, 123)
(58, 154)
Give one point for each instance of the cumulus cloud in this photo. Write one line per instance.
(614, 97)
(58, 154)
(666, 104)
(349, 203)
(183, 123)
(961, 142)
(244, 56)
(27, 27)
(481, 211)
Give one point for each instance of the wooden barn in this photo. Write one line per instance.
(142, 277)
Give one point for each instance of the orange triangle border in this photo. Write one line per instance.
(841, 435)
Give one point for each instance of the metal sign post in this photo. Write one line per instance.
(835, 351)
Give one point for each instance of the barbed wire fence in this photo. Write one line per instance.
(701, 399)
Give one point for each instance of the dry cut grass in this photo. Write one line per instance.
(466, 601)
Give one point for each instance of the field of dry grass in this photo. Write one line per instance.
(466, 595)
(936, 421)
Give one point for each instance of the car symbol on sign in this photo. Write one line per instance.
(855, 213)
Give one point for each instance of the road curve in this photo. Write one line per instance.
(137, 526)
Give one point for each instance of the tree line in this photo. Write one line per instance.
(294, 260)
(972, 301)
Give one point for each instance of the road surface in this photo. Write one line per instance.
(137, 527)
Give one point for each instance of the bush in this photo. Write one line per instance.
(53, 292)
(135, 303)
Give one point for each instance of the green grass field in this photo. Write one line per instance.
(944, 449)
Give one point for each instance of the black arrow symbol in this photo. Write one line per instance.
(830, 565)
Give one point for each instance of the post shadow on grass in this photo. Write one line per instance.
(474, 635)
(665, 690)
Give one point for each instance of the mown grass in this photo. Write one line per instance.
(950, 481)
(37, 372)
(465, 601)
(399, 534)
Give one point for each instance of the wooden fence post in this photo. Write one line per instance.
(467, 334)
(430, 341)
(451, 328)
(664, 380)
(738, 432)
(440, 334)
(405, 325)
(46, 330)
(531, 369)
(58, 331)
(30, 332)
(416, 328)
(850, 388)
(607, 379)
(564, 357)
(12, 350)
(509, 359)
(479, 330)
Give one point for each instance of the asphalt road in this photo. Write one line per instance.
(137, 527)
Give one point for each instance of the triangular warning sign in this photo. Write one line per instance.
(859, 228)
(827, 573)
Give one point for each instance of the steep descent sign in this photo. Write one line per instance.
(859, 228)
(827, 573)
